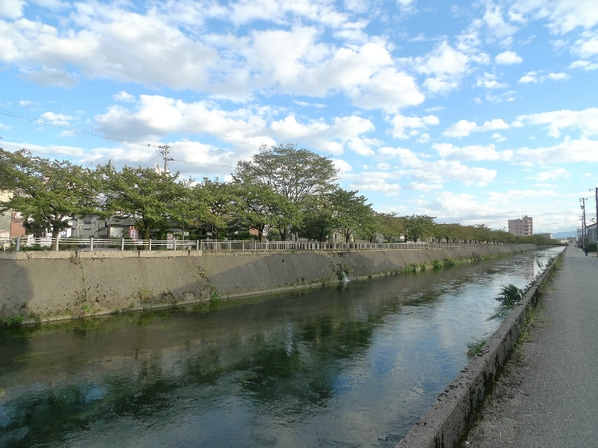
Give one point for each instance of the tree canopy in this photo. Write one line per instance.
(48, 193)
(297, 175)
(281, 188)
(151, 199)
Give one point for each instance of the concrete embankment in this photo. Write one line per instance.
(44, 286)
(447, 421)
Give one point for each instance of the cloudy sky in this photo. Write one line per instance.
(474, 112)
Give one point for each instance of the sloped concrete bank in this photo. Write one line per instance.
(447, 421)
(45, 286)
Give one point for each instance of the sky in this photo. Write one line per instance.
(474, 112)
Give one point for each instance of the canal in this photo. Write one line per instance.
(349, 366)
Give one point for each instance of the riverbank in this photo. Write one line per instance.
(448, 420)
(47, 286)
(547, 396)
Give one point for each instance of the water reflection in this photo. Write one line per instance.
(350, 366)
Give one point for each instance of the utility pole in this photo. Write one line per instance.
(596, 229)
(165, 151)
(583, 223)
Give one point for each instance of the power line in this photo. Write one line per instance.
(164, 149)
(68, 128)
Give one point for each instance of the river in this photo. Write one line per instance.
(349, 366)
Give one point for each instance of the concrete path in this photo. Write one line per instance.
(549, 395)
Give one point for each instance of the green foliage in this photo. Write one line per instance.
(47, 192)
(474, 347)
(510, 295)
(437, 264)
(295, 174)
(413, 267)
(214, 295)
(259, 207)
(150, 198)
(351, 215)
(418, 227)
(14, 321)
(390, 226)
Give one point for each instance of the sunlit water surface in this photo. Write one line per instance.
(350, 366)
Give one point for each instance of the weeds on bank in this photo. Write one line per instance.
(510, 296)
(474, 347)
(214, 296)
(8, 322)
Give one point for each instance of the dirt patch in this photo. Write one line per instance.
(496, 425)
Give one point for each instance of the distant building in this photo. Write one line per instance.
(591, 234)
(521, 227)
(11, 222)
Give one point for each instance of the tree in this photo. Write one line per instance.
(317, 221)
(450, 233)
(48, 193)
(295, 174)
(151, 199)
(418, 227)
(390, 226)
(219, 198)
(352, 216)
(259, 207)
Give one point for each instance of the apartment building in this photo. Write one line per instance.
(521, 227)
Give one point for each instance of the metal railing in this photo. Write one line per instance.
(123, 244)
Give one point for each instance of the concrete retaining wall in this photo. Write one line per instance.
(43, 286)
(447, 421)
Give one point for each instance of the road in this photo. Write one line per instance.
(548, 395)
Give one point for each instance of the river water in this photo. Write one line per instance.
(349, 366)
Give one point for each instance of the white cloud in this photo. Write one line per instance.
(586, 121)
(563, 15)
(569, 151)
(401, 124)
(418, 172)
(529, 78)
(124, 97)
(557, 76)
(57, 119)
(508, 58)
(488, 81)
(471, 153)
(535, 77)
(586, 46)
(444, 66)
(499, 28)
(12, 9)
(463, 128)
(388, 90)
(546, 176)
(584, 65)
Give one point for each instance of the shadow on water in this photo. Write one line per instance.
(355, 365)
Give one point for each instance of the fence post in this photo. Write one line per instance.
(18, 246)
(91, 243)
(197, 245)
(149, 244)
(122, 244)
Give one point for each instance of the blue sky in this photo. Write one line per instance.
(474, 112)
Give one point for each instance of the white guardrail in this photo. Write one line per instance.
(122, 244)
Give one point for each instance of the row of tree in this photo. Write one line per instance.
(281, 191)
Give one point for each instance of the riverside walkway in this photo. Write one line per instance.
(548, 397)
